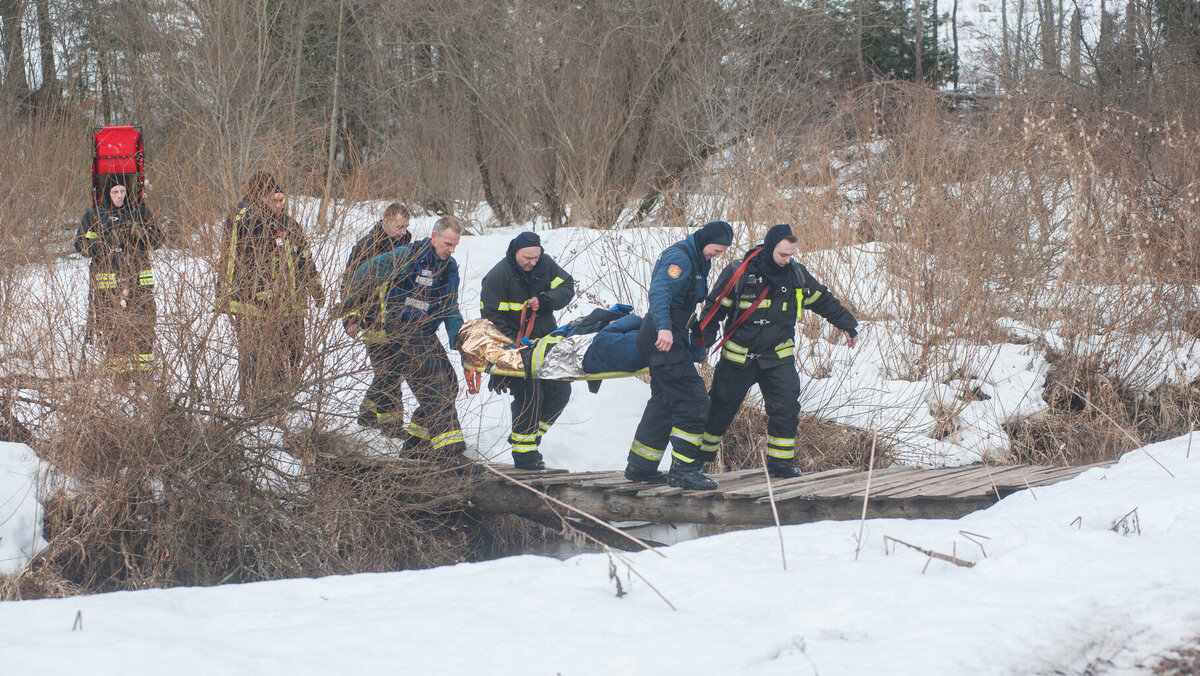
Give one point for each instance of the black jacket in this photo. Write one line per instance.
(359, 308)
(769, 334)
(506, 287)
(119, 241)
(266, 264)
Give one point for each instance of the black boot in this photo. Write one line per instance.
(782, 468)
(687, 475)
(529, 460)
(643, 470)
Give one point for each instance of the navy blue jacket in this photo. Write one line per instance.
(678, 283)
(422, 288)
(615, 348)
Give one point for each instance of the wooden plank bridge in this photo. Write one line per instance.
(744, 497)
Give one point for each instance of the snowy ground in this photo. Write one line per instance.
(1056, 587)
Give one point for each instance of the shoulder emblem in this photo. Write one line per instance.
(674, 271)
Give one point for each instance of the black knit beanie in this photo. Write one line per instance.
(521, 241)
(714, 232)
(764, 263)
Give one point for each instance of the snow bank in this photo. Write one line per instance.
(20, 513)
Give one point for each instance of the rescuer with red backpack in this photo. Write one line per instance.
(758, 301)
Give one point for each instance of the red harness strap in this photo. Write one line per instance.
(524, 330)
(744, 316)
(724, 293)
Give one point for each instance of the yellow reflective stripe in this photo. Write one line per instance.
(710, 442)
(106, 280)
(447, 438)
(646, 452)
(734, 347)
(510, 307)
(727, 302)
(781, 441)
(543, 427)
(681, 457)
(351, 316)
(90, 235)
(386, 418)
(418, 430)
(686, 436)
(240, 308)
(233, 242)
(734, 357)
(745, 304)
(369, 404)
(557, 282)
(786, 349)
(539, 351)
(374, 336)
(812, 299)
(146, 278)
(781, 454)
(524, 448)
(517, 438)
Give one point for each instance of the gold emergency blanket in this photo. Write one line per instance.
(481, 344)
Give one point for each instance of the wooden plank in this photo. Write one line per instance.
(782, 484)
(940, 483)
(985, 486)
(809, 490)
(745, 478)
(899, 482)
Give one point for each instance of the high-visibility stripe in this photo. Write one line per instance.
(508, 307)
(727, 302)
(447, 438)
(515, 438)
(374, 336)
(745, 304)
(710, 442)
(646, 452)
(689, 437)
(543, 427)
(781, 453)
(557, 282)
(240, 308)
(370, 405)
(90, 235)
(734, 347)
(146, 277)
(351, 316)
(524, 448)
(786, 348)
(781, 441)
(386, 418)
(233, 242)
(106, 280)
(418, 430)
(681, 457)
(812, 299)
(735, 357)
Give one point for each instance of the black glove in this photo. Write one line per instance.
(498, 384)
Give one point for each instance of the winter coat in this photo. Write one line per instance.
(266, 264)
(769, 334)
(422, 290)
(506, 287)
(368, 312)
(614, 348)
(118, 240)
(679, 281)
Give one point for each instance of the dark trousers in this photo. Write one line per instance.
(676, 412)
(383, 403)
(536, 405)
(125, 324)
(434, 429)
(780, 387)
(270, 351)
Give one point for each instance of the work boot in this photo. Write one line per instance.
(529, 460)
(687, 475)
(783, 468)
(645, 471)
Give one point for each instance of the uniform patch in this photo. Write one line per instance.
(674, 271)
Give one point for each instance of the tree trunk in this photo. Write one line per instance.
(858, 41)
(49, 86)
(917, 74)
(954, 33)
(12, 46)
(1076, 41)
(1005, 56)
(323, 210)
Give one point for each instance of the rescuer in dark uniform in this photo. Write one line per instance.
(528, 281)
(118, 235)
(382, 406)
(422, 292)
(265, 280)
(759, 318)
(678, 404)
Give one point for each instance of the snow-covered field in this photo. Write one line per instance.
(1096, 575)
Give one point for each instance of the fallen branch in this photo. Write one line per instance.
(929, 552)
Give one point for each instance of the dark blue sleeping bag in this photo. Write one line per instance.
(615, 348)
